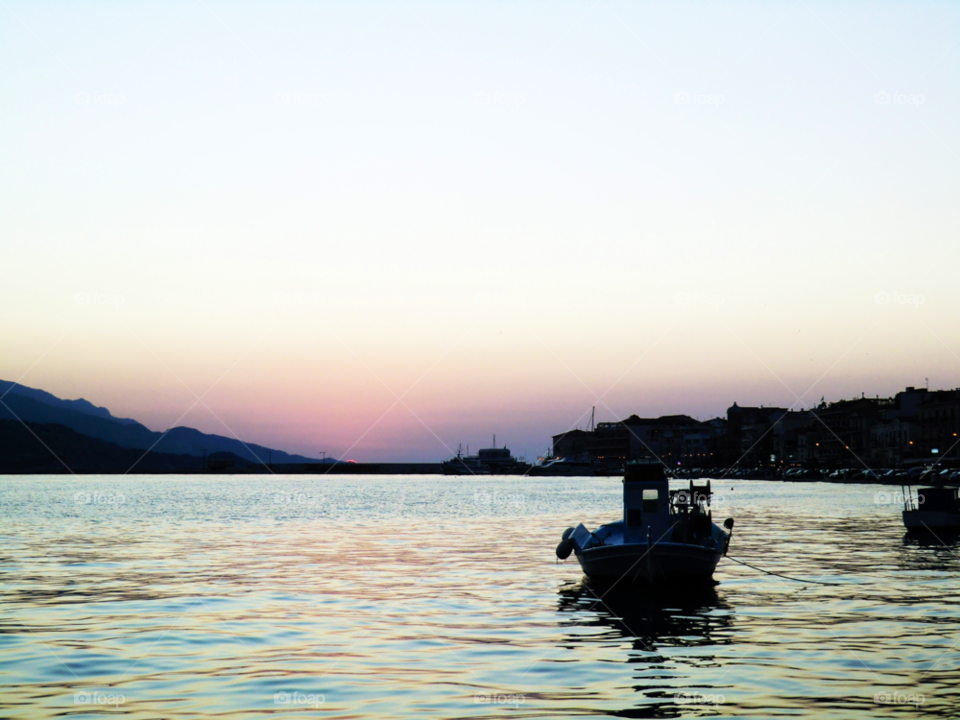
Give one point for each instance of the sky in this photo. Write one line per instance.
(379, 230)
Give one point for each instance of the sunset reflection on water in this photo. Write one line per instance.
(442, 597)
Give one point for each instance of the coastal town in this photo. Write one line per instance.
(915, 426)
(867, 439)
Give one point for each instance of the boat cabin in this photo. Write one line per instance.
(646, 503)
(494, 455)
(940, 499)
(651, 508)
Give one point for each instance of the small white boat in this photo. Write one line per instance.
(933, 510)
(568, 467)
(665, 536)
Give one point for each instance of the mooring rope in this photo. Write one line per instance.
(785, 577)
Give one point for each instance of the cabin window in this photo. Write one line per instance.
(650, 500)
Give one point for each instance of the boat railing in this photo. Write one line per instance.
(909, 503)
(692, 499)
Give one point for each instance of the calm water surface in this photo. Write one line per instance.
(425, 597)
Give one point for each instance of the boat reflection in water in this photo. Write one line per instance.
(672, 633)
(649, 615)
(945, 540)
(930, 552)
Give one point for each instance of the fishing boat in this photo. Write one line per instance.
(665, 535)
(933, 510)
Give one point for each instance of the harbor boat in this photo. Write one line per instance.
(665, 536)
(933, 510)
(488, 461)
(499, 461)
(461, 464)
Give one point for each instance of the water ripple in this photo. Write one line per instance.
(441, 597)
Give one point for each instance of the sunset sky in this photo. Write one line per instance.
(380, 230)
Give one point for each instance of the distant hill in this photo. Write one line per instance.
(27, 450)
(37, 406)
(82, 406)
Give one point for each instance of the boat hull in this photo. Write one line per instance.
(668, 562)
(931, 521)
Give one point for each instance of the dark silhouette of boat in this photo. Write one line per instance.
(488, 461)
(664, 536)
(933, 510)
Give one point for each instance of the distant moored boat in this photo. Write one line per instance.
(488, 461)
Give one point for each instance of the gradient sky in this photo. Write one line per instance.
(382, 229)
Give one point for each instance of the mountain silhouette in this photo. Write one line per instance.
(37, 406)
(48, 448)
(8, 388)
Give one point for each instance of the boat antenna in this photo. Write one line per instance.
(494, 440)
(593, 425)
